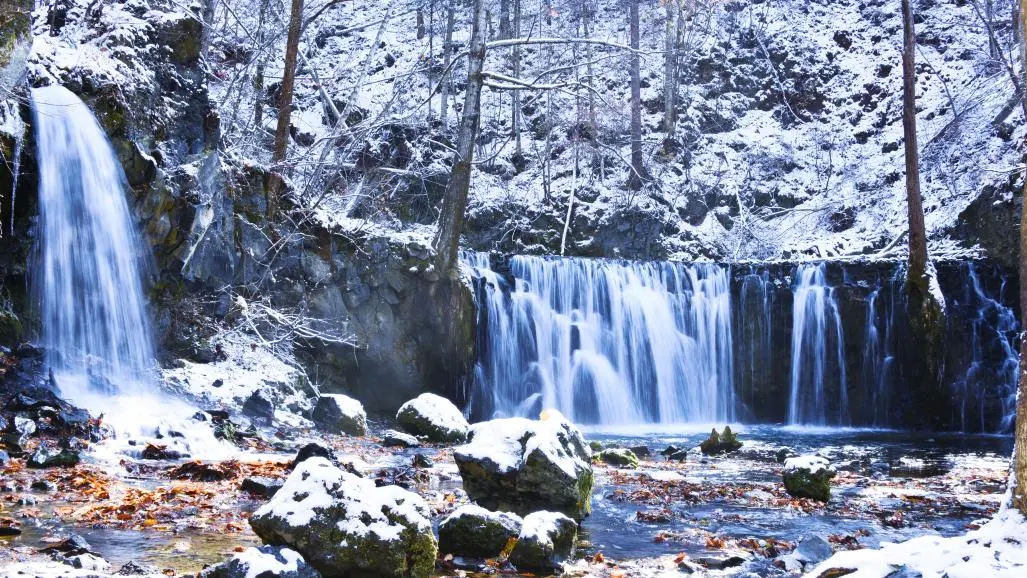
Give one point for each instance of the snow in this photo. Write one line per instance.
(498, 441)
(438, 410)
(542, 526)
(998, 549)
(348, 406)
(476, 511)
(258, 563)
(316, 487)
(812, 463)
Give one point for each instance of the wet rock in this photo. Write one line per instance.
(783, 454)
(905, 572)
(74, 546)
(622, 458)
(265, 562)
(545, 542)
(159, 452)
(90, 563)
(434, 417)
(720, 563)
(48, 457)
(595, 446)
(808, 477)
(422, 461)
(474, 532)
(718, 444)
(135, 569)
(259, 408)
(523, 466)
(10, 527)
(206, 471)
(344, 525)
(24, 428)
(641, 451)
(814, 550)
(261, 486)
(395, 439)
(670, 450)
(340, 414)
(43, 486)
(312, 450)
(678, 456)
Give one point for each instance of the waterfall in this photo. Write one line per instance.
(994, 358)
(605, 342)
(878, 363)
(93, 314)
(818, 393)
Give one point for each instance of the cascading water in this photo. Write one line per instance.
(994, 359)
(605, 342)
(818, 353)
(93, 316)
(878, 359)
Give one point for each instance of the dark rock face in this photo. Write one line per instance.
(259, 408)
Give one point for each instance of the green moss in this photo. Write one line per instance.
(11, 329)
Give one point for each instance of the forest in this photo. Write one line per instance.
(427, 288)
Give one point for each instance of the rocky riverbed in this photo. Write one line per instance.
(726, 515)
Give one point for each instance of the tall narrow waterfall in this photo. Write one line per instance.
(93, 312)
(92, 308)
(605, 342)
(878, 359)
(818, 385)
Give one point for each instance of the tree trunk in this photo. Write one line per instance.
(285, 107)
(454, 206)
(1020, 451)
(504, 19)
(638, 174)
(917, 233)
(516, 94)
(669, 72)
(447, 58)
(258, 76)
(924, 307)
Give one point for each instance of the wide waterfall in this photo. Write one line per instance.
(93, 314)
(818, 394)
(606, 342)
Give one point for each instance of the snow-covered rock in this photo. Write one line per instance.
(523, 466)
(808, 477)
(397, 439)
(620, 457)
(433, 417)
(474, 532)
(263, 562)
(546, 541)
(336, 413)
(343, 524)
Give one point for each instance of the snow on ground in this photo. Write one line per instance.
(997, 549)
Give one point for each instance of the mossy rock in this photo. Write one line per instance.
(474, 532)
(717, 444)
(620, 457)
(11, 329)
(808, 477)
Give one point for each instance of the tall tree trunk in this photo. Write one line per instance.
(1020, 447)
(670, 71)
(504, 19)
(454, 206)
(447, 59)
(516, 94)
(638, 173)
(278, 155)
(925, 306)
(431, 59)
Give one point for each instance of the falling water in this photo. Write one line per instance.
(93, 313)
(818, 352)
(994, 361)
(606, 342)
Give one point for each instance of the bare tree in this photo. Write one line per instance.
(670, 68)
(515, 96)
(1020, 453)
(285, 105)
(447, 56)
(454, 207)
(926, 310)
(638, 173)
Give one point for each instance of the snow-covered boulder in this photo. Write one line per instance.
(433, 417)
(474, 532)
(619, 457)
(523, 466)
(336, 413)
(546, 541)
(397, 439)
(263, 562)
(344, 525)
(808, 477)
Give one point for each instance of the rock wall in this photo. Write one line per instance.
(15, 42)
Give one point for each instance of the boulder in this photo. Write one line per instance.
(546, 541)
(396, 439)
(259, 408)
(523, 466)
(261, 486)
(434, 417)
(265, 562)
(622, 458)
(474, 532)
(808, 477)
(345, 526)
(340, 414)
(48, 457)
(312, 450)
(718, 444)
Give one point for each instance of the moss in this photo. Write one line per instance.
(11, 329)
(619, 457)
